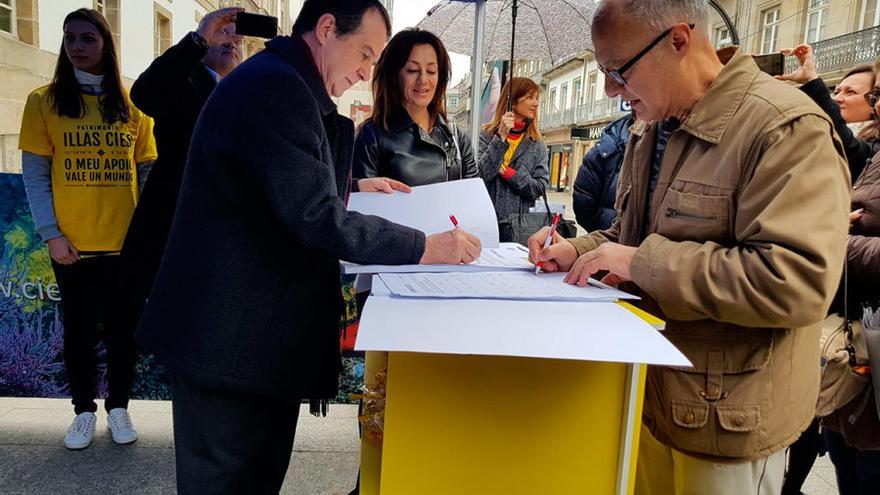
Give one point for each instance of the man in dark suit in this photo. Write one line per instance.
(246, 308)
(173, 91)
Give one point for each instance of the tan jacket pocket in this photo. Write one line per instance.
(688, 414)
(689, 425)
(738, 418)
(687, 216)
(738, 431)
(744, 350)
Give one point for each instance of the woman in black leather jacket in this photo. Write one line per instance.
(408, 137)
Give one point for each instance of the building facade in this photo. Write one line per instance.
(575, 109)
(843, 33)
(31, 36)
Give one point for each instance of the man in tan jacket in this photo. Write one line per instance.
(732, 222)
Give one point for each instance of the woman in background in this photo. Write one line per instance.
(513, 157)
(86, 151)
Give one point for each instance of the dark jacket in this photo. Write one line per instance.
(863, 247)
(408, 154)
(517, 193)
(247, 297)
(172, 91)
(858, 151)
(595, 187)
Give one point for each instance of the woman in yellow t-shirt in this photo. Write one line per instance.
(85, 152)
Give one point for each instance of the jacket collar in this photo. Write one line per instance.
(295, 51)
(202, 80)
(400, 120)
(711, 116)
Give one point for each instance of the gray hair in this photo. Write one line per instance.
(657, 14)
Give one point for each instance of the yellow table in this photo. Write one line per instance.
(464, 424)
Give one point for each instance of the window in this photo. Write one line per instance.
(161, 31)
(869, 14)
(817, 14)
(769, 30)
(563, 97)
(7, 16)
(722, 37)
(577, 95)
(453, 102)
(552, 107)
(592, 86)
(110, 10)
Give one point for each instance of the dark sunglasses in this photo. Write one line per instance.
(617, 74)
(872, 96)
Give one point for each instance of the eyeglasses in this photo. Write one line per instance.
(872, 96)
(617, 74)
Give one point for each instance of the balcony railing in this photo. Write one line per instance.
(843, 52)
(583, 114)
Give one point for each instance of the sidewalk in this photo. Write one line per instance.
(33, 460)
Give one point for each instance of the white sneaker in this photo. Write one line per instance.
(119, 424)
(81, 431)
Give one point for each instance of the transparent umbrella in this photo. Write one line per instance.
(540, 30)
(546, 30)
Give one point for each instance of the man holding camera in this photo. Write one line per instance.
(173, 91)
(247, 304)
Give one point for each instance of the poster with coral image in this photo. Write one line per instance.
(31, 324)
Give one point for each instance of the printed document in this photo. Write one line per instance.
(515, 285)
(507, 256)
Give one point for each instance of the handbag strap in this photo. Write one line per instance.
(546, 203)
(850, 348)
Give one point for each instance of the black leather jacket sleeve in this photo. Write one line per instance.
(468, 164)
(366, 154)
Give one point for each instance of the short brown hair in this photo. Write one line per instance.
(522, 87)
(387, 93)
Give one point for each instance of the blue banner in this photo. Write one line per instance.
(31, 322)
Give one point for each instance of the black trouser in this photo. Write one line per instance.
(857, 471)
(93, 303)
(801, 457)
(228, 443)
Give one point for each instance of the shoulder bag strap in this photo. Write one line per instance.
(850, 348)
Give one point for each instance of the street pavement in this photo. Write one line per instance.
(33, 460)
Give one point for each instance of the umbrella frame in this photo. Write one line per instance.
(477, 72)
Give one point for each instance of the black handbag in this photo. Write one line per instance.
(518, 227)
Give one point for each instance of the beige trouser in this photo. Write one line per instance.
(665, 471)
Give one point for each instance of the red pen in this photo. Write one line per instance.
(454, 221)
(547, 240)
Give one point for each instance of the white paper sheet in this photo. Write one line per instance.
(427, 208)
(514, 285)
(507, 256)
(552, 330)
